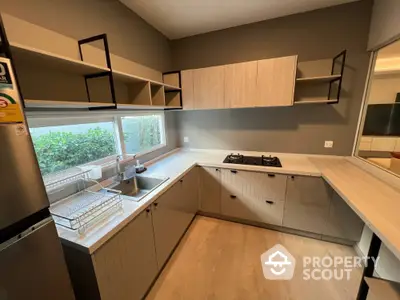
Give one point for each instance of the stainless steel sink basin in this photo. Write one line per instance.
(145, 185)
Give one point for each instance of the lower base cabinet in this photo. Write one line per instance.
(342, 222)
(122, 268)
(307, 204)
(126, 265)
(253, 196)
(210, 190)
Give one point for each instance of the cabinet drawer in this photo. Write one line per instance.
(252, 209)
(266, 211)
(264, 186)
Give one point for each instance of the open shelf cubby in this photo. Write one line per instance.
(314, 86)
(157, 95)
(173, 99)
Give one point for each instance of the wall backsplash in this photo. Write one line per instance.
(298, 129)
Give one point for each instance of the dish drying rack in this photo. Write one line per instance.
(59, 180)
(91, 203)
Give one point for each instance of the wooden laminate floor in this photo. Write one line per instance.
(221, 260)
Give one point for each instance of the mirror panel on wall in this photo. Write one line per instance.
(379, 140)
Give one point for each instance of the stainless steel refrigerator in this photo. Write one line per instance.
(32, 264)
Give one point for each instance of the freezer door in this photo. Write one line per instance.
(33, 267)
(22, 192)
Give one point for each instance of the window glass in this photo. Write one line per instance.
(142, 133)
(62, 147)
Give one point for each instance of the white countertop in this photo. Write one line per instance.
(357, 187)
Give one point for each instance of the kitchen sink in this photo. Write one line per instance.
(145, 185)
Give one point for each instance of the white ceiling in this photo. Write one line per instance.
(182, 18)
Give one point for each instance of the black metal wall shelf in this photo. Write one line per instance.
(173, 94)
(327, 79)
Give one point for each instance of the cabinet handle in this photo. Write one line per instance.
(147, 210)
(234, 171)
(155, 204)
(269, 202)
(217, 170)
(271, 175)
(233, 197)
(292, 177)
(181, 180)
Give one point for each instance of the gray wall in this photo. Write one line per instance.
(129, 35)
(385, 23)
(313, 35)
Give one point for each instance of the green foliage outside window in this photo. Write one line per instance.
(58, 151)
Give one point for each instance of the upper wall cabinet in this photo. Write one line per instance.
(268, 82)
(240, 84)
(208, 87)
(187, 89)
(276, 81)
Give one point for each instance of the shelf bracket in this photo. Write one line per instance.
(101, 37)
(342, 56)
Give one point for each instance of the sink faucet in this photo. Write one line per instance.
(120, 174)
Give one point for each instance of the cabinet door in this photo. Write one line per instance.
(252, 196)
(210, 190)
(187, 89)
(343, 222)
(276, 80)
(170, 220)
(126, 265)
(209, 88)
(190, 188)
(240, 84)
(233, 204)
(307, 203)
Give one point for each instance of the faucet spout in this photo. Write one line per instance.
(120, 174)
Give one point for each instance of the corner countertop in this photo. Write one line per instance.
(356, 186)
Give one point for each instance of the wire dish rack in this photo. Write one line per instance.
(78, 211)
(61, 179)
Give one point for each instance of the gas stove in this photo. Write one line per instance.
(267, 161)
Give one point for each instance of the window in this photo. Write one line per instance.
(142, 133)
(59, 148)
(62, 143)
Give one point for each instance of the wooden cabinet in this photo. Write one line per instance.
(253, 196)
(209, 88)
(240, 85)
(172, 214)
(342, 222)
(126, 265)
(210, 190)
(268, 82)
(187, 89)
(276, 78)
(190, 195)
(307, 203)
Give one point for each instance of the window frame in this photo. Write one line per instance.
(163, 132)
(55, 118)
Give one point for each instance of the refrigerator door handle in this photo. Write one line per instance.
(25, 233)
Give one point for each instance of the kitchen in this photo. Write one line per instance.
(248, 132)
